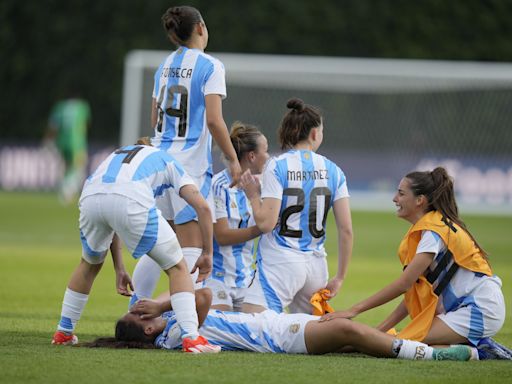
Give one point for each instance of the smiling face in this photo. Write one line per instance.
(409, 206)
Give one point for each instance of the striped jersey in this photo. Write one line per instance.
(181, 83)
(139, 172)
(307, 185)
(268, 331)
(232, 264)
(459, 290)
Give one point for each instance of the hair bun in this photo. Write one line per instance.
(295, 104)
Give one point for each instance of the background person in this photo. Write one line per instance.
(67, 129)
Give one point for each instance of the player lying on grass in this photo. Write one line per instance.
(152, 324)
(450, 291)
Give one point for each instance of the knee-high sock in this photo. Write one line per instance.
(145, 278)
(184, 306)
(72, 308)
(191, 255)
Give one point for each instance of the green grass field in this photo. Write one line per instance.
(39, 247)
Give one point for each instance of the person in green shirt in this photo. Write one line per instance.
(68, 124)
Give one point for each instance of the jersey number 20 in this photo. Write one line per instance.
(313, 202)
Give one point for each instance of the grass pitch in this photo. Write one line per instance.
(39, 248)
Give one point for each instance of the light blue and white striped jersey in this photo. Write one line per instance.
(459, 290)
(267, 331)
(139, 172)
(232, 264)
(307, 185)
(181, 83)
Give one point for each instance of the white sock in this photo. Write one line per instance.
(145, 277)
(414, 350)
(184, 306)
(72, 308)
(191, 255)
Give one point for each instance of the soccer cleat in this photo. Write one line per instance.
(454, 353)
(60, 338)
(488, 349)
(199, 345)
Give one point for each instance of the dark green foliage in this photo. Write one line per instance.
(52, 48)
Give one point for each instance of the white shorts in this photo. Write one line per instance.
(481, 314)
(224, 295)
(175, 208)
(291, 285)
(143, 230)
(267, 331)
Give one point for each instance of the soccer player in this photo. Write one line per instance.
(269, 332)
(186, 113)
(298, 189)
(119, 198)
(235, 230)
(67, 127)
(451, 293)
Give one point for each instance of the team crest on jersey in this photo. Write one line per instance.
(307, 155)
(222, 295)
(294, 328)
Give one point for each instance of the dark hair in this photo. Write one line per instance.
(437, 187)
(128, 335)
(179, 23)
(244, 138)
(298, 122)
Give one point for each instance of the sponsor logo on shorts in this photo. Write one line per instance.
(222, 295)
(294, 328)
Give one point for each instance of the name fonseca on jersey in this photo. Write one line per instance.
(177, 72)
(318, 174)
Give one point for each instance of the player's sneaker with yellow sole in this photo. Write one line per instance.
(60, 338)
(199, 345)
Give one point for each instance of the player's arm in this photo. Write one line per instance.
(229, 236)
(220, 134)
(394, 318)
(265, 211)
(148, 308)
(154, 112)
(411, 273)
(343, 218)
(123, 281)
(192, 196)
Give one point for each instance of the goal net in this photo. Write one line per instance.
(382, 117)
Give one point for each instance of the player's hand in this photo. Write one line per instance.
(146, 308)
(334, 286)
(124, 283)
(250, 184)
(347, 314)
(236, 171)
(204, 264)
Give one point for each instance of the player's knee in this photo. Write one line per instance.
(347, 327)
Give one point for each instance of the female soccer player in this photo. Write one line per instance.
(298, 189)
(450, 291)
(235, 230)
(186, 113)
(119, 198)
(269, 332)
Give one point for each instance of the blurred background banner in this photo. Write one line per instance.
(403, 85)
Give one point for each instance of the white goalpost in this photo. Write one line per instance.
(383, 117)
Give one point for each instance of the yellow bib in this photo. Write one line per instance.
(420, 299)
